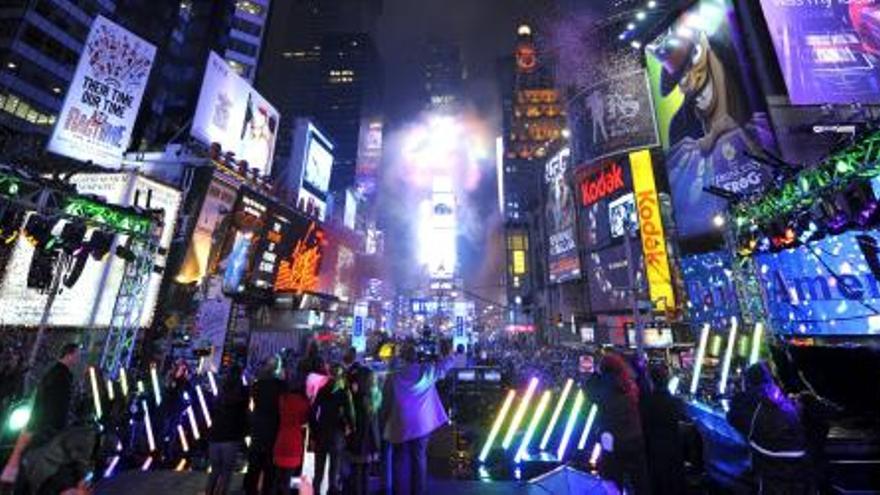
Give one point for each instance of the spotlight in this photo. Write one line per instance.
(718, 220)
(38, 231)
(125, 253)
(72, 236)
(640, 15)
(652, 4)
(10, 224)
(636, 44)
(630, 26)
(41, 269)
(74, 272)
(99, 244)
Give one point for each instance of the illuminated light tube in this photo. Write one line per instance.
(243, 380)
(698, 363)
(591, 418)
(594, 455)
(111, 393)
(140, 387)
(757, 336)
(533, 425)
(247, 441)
(569, 426)
(148, 424)
(183, 443)
(96, 394)
(212, 382)
(520, 413)
(147, 464)
(180, 465)
(204, 405)
(499, 420)
(192, 422)
(251, 405)
(556, 412)
(728, 355)
(201, 368)
(673, 384)
(111, 466)
(123, 382)
(154, 377)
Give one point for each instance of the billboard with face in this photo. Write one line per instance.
(230, 112)
(828, 51)
(217, 205)
(563, 261)
(713, 127)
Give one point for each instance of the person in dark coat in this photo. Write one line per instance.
(364, 442)
(265, 393)
(226, 435)
(52, 402)
(772, 426)
(331, 420)
(616, 394)
(661, 413)
(289, 450)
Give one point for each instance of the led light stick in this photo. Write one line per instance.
(757, 335)
(673, 384)
(154, 377)
(147, 464)
(520, 412)
(183, 443)
(556, 412)
(123, 382)
(111, 393)
(111, 466)
(148, 424)
(212, 382)
(192, 422)
(591, 418)
(533, 425)
(594, 455)
(569, 426)
(728, 355)
(96, 395)
(698, 363)
(204, 406)
(499, 420)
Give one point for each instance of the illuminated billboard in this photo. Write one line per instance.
(219, 202)
(369, 155)
(104, 96)
(438, 230)
(275, 241)
(563, 260)
(710, 289)
(318, 163)
(828, 51)
(89, 303)
(606, 201)
(607, 274)
(712, 123)
(827, 288)
(230, 112)
(236, 258)
(299, 269)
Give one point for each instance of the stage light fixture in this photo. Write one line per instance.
(126, 254)
(72, 234)
(10, 224)
(99, 244)
(41, 270)
(38, 230)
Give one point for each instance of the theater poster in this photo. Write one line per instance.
(712, 121)
(563, 261)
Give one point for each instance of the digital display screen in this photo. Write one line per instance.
(710, 288)
(830, 287)
(319, 163)
(608, 277)
(564, 262)
(828, 51)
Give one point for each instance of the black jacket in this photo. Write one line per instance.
(52, 401)
(228, 415)
(330, 416)
(264, 421)
(618, 409)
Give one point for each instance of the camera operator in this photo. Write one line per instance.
(411, 411)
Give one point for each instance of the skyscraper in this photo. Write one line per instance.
(442, 74)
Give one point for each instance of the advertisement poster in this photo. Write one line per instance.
(606, 202)
(369, 155)
(713, 127)
(563, 259)
(275, 240)
(104, 97)
(710, 288)
(299, 270)
(828, 51)
(89, 302)
(608, 276)
(319, 164)
(236, 258)
(828, 288)
(614, 116)
(232, 113)
(218, 204)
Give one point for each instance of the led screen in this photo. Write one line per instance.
(319, 163)
(217, 205)
(564, 263)
(230, 112)
(711, 124)
(828, 288)
(710, 289)
(608, 276)
(828, 51)
(236, 260)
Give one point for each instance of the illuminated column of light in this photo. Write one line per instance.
(183, 443)
(556, 412)
(192, 422)
(757, 336)
(148, 424)
(520, 413)
(212, 382)
(569, 426)
(146, 465)
(111, 466)
(594, 455)
(204, 405)
(111, 393)
(123, 382)
(154, 377)
(140, 387)
(698, 362)
(591, 418)
(499, 420)
(180, 465)
(533, 425)
(673, 384)
(728, 355)
(96, 393)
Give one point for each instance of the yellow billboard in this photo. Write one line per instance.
(651, 227)
(519, 262)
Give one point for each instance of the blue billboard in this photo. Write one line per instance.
(710, 288)
(827, 288)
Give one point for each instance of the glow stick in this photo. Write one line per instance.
(533, 425)
(111, 467)
(569, 426)
(212, 382)
(140, 386)
(499, 420)
(728, 355)
(698, 363)
(556, 412)
(149, 426)
(111, 394)
(673, 384)
(204, 406)
(520, 413)
(123, 381)
(147, 464)
(594, 455)
(591, 418)
(192, 422)
(180, 465)
(757, 335)
(154, 377)
(247, 441)
(183, 443)
(96, 395)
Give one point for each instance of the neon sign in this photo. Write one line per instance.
(601, 185)
(299, 273)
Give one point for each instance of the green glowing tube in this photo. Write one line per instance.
(499, 420)
(556, 412)
(520, 413)
(533, 425)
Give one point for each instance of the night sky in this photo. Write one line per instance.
(485, 30)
